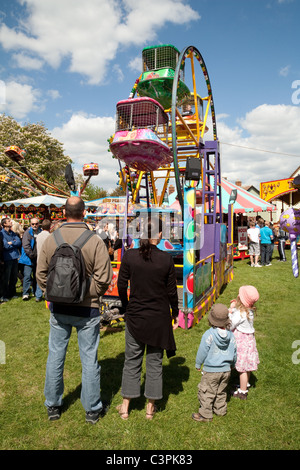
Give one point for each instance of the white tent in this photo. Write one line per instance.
(44, 200)
(36, 201)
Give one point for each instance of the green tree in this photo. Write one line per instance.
(118, 192)
(44, 156)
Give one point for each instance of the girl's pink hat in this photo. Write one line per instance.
(248, 295)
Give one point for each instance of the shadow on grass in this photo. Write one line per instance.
(111, 376)
(234, 383)
(175, 373)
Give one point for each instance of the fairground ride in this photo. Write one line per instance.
(159, 139)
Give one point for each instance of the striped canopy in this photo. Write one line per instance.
(245, 201)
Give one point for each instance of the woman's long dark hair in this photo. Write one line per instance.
(152, 228)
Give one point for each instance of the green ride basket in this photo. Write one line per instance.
(159, 63)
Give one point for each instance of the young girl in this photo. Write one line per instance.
(241, 314)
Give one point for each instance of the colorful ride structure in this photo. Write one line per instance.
(290, 223)
(159, 139)
(156, 81)
(141, 124)
(38, 185)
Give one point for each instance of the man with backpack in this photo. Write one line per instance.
(74, 271)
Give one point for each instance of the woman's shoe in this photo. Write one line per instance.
(123, 414)
(150, 414)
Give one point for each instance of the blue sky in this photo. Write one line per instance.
(67, 63)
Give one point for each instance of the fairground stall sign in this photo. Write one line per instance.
(270, 190)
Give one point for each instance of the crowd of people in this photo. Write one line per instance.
(151, 315)
(19, 250)
(262, 236)
(18, 257)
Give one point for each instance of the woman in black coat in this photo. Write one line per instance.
(150, 273)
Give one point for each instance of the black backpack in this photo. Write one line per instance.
(66, 279)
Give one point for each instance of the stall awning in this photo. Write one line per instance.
(36, 201)
(245, 201)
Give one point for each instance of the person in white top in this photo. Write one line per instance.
(241, 315)
(254, 244)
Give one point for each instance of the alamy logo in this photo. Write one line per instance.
(296, 94)
(2, 352)
(296, 354)
(2, 92)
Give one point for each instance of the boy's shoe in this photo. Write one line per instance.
(54, 412)
(25, 297)
(269, 264)
(257, 265)
(198, 417)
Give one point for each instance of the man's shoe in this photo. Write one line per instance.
(38, 299)
(269, 264)
(257, 266)
(54, 412)
(94, 416)
(198, 417)
(25, 297)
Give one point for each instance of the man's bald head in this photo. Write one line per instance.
(74, 208)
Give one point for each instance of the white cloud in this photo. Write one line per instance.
(88, 34)
(26, 62)
(118, 72)
(20, 99)
(271, 149)
(135, 64)
(284, 71)
(54, 94)
(85, 141)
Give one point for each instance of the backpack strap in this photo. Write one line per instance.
(79, 243)
(58, 237)
(84, 237)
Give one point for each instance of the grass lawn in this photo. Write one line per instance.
(267, 420)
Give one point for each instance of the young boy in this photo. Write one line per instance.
(217, 353)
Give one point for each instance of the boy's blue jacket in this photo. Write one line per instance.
(217, 351)
(12, 251)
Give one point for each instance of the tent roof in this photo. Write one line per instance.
(245, 201)
(46, 200)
